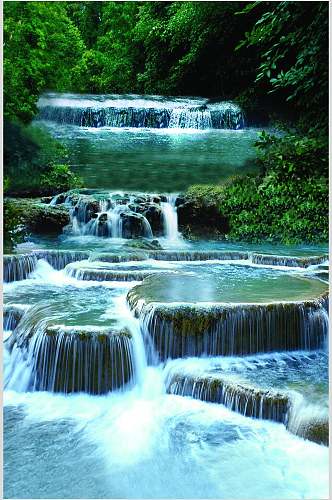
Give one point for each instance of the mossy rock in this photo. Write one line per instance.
(144, 244)
(37, 217)
(88, 359)
(280, 260)
(249, 400)
(316, 430)
(193, 329)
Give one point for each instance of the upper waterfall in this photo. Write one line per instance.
(139, 111)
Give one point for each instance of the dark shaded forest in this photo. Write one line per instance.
(270, 57)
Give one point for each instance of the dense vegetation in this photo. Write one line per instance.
(266, 55)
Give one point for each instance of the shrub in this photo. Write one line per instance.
(59, 178)
(34, 162)
(13, 231)
(287, 202)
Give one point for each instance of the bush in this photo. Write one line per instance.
(34, 162)
(59, 178)
(293, 156)
(287, 202)
(11, 219)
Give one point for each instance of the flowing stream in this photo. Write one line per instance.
(190, 370)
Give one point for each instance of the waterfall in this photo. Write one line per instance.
(310, 421)
(180, 330)
(247, 400)
(12, 315)
(59, 259)
(139, 112)
(193, 255)
(119, 215)
(280, 260)
(190, 118)
(170, 217)
(18, 267)
(57, 358)
(87, 273)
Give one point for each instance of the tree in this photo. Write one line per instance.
(41, 47)
(292, 39)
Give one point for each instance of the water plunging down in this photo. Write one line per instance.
(79, 364)
(121, 215)
(139, 112)
(170, 218)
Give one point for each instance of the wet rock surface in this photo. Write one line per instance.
(40, 218)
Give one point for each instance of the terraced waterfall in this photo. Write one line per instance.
(171, 368)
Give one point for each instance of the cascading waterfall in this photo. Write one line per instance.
(138, 112)
(249, 401)
(191, 118)
(90, 274)
(280, 260)
(18, 267)
(42, 354)
(241, 329)
(170, 218)
(283, 387)
(192, 255)
(12, 315)
(119, 215)
(59, 358)
(59, 259)
(310, 421)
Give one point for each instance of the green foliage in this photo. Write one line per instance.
(12, 231)
(182, 48)
(163, 47)
(265, 208)
(293, 156)
(287, 203)
(59, 178)
(109, 63)
(292, 40)
(189, 48)
(31, 156)
(41, 47)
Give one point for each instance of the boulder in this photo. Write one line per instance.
(144, 244)
(37, 217)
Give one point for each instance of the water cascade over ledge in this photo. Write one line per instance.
(245, 386)
(222, 328)
(57, 358)
(140, 112)
(121, 215)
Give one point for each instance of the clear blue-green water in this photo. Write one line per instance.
(230, 283)
(155, 160)
(144, 443)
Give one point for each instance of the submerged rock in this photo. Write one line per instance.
(144, 244)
